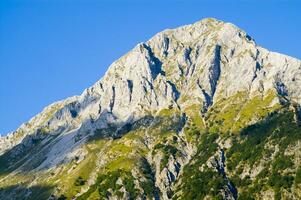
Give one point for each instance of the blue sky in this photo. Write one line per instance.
(52, 49)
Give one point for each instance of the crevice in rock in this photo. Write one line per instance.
(220, 167)
(150, 84)
(192, 69)
(257, 54)
(73, 113)
(112, 100)
(281, 88)
(215, 70)
(180, 69)
(165, 46)
(130, 87)
(154, 63)
(99, 109)
(176, 93)
(187, 59)
(258, 67)
(101, 86)
(208, 99)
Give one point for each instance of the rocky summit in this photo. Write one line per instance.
(196, 112)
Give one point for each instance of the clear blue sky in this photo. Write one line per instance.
(52, 49)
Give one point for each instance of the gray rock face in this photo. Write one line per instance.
(194, 64)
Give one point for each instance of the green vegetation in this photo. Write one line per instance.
(110, 182)
(236, 112)
(199, 184)
(222, 116)
(79, 181)
(167, 151)
(196, 183)
(148, 185)
(250, 146)
(298, 175)
(193, 114)
(258, 142)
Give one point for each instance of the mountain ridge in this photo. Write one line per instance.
(162, 32)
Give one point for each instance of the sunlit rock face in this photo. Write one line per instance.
(166, 119)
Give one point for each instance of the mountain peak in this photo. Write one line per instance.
(181, 100)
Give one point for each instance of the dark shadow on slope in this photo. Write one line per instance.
(33, 149)
(115, 131)
(30, 152)
(19, 154)
(27, 156)
(21, 192)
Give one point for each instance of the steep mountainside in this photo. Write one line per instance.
(196, 112)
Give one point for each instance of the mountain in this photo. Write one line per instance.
(196, 112)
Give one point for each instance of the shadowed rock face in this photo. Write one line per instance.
(154, 107)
